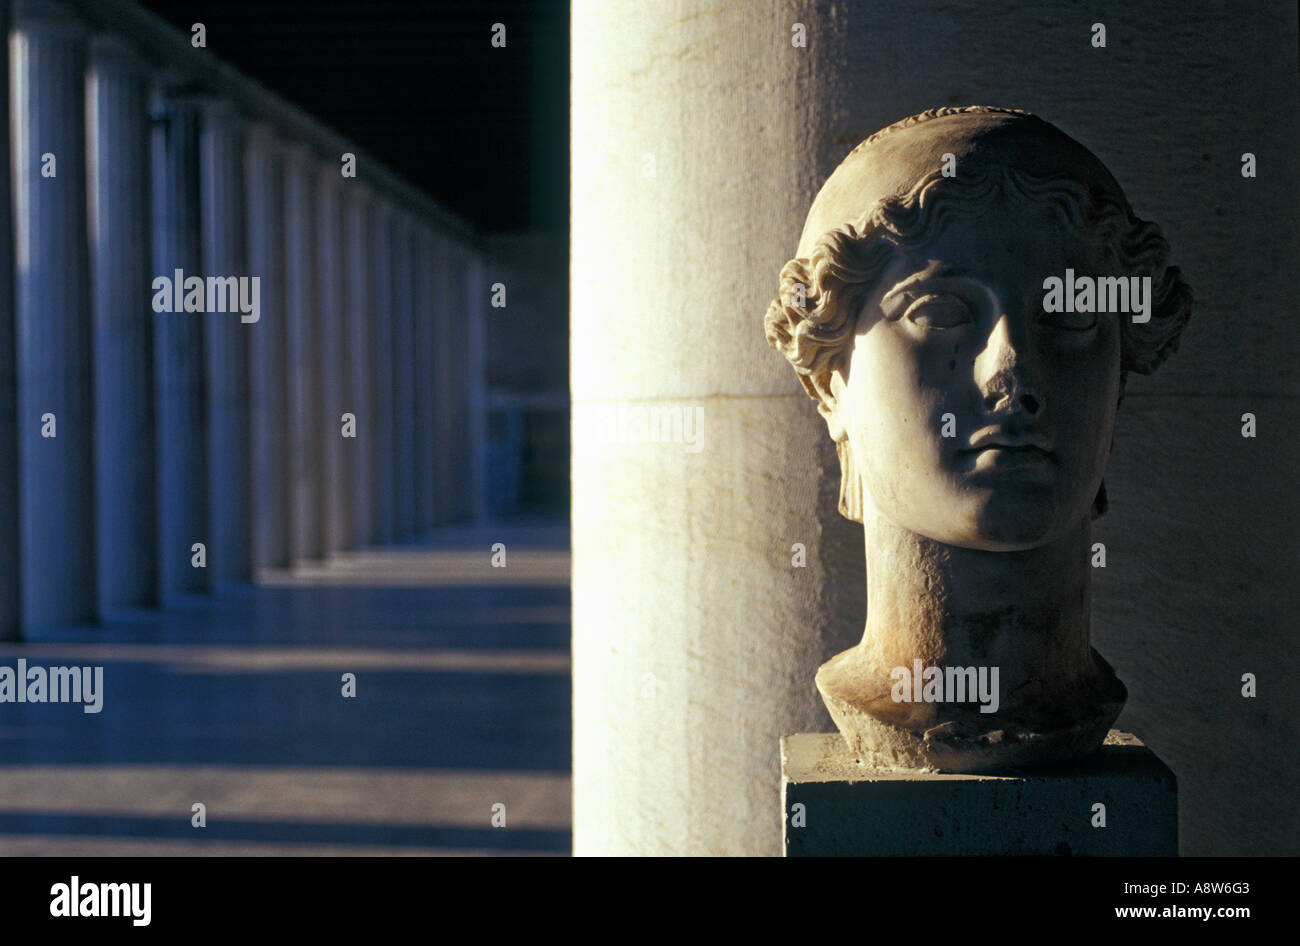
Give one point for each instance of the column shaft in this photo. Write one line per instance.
(52, 315)
(422, 348)
(226, 338)
(446, 342)
(360, 325)
(180, 395)
(117, 97)
(381, 302)
(10, 574)
(403, 377)
(335, 380)
(303, 352)
(268, 393)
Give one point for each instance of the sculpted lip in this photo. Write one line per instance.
(998, 438)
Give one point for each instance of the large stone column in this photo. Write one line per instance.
(474, 386)
(451, 349)
(356, 275)
(695, 633)
(381, 365)
(179, 392)
(10, 575)
(52, 316)
(302, 355)
(334, 375)
(117, 99)
(268, 394)
(226, 338)
(422, 347)
(403, 376)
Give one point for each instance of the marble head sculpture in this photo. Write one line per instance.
(969, 293)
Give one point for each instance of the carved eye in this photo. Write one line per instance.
(1070, 321)
(938, 311)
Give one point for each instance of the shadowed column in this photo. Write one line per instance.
(360, 324)
(268, 395)
(403, 375)
(117, 98)
(52, 316)
(381, 362)
(303, 352)
(445, 344)
(422, 349)
(180, 396)
(228, 328)
(334, 375)
(10, 585)
(473, 387)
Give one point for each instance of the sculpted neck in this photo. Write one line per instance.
(1024, 612)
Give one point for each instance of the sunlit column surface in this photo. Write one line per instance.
(695, 639)
(10, 575)
(52, 315)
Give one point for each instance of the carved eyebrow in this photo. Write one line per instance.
(936, 272)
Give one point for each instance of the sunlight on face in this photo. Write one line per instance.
(975, 418)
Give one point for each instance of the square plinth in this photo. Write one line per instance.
(849, 809)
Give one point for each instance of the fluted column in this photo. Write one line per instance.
(117, 99)
(306, 418)
(268, 392)
(381, 361)
(422, 346)
(52, 316)
(10, 575)
(356, 273)
(403, 375)
(226, 337)
(179, 392)
(335, 380)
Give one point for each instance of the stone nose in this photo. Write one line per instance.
(1003, 372)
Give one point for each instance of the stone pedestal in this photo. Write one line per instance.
(848, 809)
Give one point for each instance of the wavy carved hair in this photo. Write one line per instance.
(813, 320)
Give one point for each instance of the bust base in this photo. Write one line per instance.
(851, 809)
(1050, 729)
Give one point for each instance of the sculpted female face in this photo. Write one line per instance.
(974, 417)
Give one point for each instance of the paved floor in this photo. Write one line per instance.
(235, 702)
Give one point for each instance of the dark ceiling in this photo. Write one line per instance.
(418, 84)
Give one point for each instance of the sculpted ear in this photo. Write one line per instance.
(827, 388)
